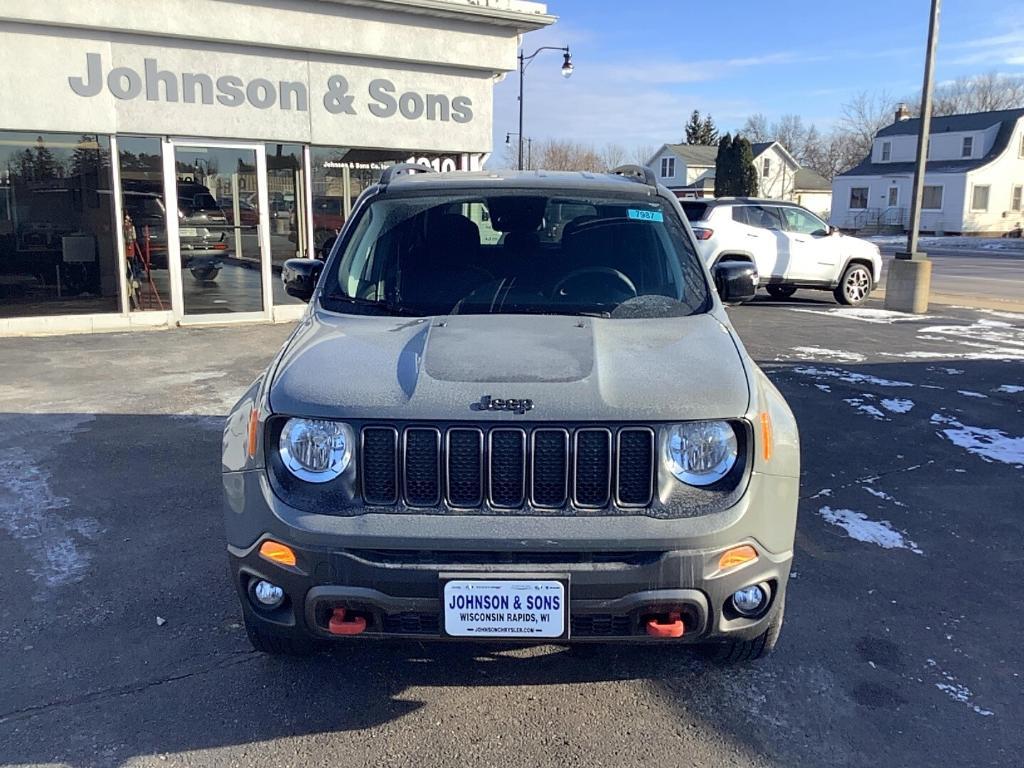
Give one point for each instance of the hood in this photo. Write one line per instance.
(572, 368)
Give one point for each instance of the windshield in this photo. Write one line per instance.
(517, 253)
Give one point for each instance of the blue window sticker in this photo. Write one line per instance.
(639, 215)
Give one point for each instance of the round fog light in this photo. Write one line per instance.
(749, 600)
(269, 595)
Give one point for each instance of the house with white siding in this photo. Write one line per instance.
(974, 178)
(689, 171)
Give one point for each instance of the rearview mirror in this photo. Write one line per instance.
(736, 281)
(300, 277)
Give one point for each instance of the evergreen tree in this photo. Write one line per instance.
(746, 173)
(694, 129)
(709, 131)
(724, 174)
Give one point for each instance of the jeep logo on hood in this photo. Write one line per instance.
(488, 403)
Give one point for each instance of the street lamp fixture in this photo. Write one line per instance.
(524, 62)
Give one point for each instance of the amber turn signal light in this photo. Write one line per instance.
(737, 556)
(277, 553)
(254, 430)
(766, 435)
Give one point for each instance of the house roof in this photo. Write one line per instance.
(975, 121)
(694, 154)
(807, 180)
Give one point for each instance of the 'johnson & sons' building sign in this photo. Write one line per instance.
(382, 98)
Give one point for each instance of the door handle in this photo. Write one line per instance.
(799, 240)
(752, 234)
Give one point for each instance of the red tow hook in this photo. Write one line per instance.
(340, 625)
(674, 627)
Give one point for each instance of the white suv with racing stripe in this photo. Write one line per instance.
(790, 246)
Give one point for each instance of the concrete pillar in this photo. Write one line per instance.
(908, 284)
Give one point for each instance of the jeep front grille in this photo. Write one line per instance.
(504, 467)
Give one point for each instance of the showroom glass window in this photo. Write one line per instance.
(58, 253)
(144, 227)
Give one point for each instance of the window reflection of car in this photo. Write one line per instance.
(202, 226)
(328, 218)
(248, 213)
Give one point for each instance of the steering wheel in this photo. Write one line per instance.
(559, 292)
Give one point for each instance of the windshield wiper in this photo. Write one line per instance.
(385, 306)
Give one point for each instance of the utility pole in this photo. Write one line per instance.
(910, 273)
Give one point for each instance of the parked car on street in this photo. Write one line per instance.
(790, 247)
(547, 438)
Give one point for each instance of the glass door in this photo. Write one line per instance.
(221, 228)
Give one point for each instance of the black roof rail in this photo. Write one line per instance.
(399, 168)
(636, 173)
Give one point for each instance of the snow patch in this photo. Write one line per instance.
(948, 371)
(867, 408)
(998, 340)
(896, 405)
(830, 354)
(849, 376)
(969, 393)
(29, 513)
(824, 387)
(858, 526)
(1012, 389)
(867, 315)
(883, 495)
(957, 691)
(990, 444)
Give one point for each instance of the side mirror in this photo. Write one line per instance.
(833, 230)
(736, 281)
(300, 276)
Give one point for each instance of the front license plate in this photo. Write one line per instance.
(505, 608)
(187, 231)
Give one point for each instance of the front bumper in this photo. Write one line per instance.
(621, 571)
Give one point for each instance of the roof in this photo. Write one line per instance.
(975, 121)
(694, 154)
(720, 201)
(807, 180)
(506, 179)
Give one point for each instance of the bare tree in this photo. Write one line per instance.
(864, 116)
(641, 154)
(978, 93)
(613, 155)
(565, 155)
(790, 132)
(756, 128)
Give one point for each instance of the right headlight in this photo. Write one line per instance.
(700, 452)
(316, 450)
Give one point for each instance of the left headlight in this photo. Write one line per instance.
(316, 450)
(700, 452)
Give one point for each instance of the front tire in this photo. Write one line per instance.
(741, 651)
(266, 640)
(855, 286)
(205, 274)
(780, 292)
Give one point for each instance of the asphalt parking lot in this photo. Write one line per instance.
(120, 641)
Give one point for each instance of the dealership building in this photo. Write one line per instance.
(160, 159)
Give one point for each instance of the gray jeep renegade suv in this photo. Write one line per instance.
(516, 409)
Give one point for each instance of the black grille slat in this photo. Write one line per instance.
(508, 467)
(550, 467)
(592, 467)
(380, 465)
(411, 623)
(635, 467)
(422, 467)
(465, 467)
(601, 625)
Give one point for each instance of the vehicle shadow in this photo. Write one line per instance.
(124, 639)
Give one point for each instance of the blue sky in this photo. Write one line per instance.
(643, 66)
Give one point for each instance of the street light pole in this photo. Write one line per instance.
(923, 134)
(910, 274)
(524, 62)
